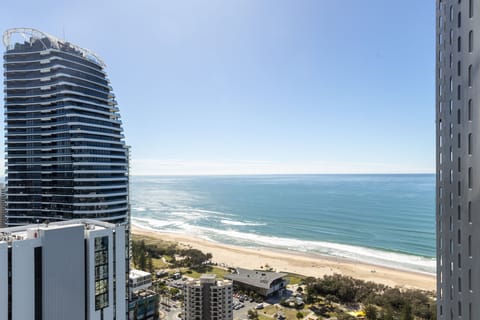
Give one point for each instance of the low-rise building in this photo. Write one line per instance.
(264, 283)
(208, 299)
(139, 280)
(72, 270)
(144, 305)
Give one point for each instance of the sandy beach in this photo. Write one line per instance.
(307, 265)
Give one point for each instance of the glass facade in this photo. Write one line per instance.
(65, 150)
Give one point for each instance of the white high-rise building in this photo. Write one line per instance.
(72, 270)
(208, 299)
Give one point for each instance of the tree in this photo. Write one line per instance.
(388, 313)
(299, 315)
(406, 312)
(371, 312)
(300, 289)
(252, 314)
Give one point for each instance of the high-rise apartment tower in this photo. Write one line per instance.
(65, 150)
(458, 158)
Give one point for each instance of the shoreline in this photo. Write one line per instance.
(297, 262)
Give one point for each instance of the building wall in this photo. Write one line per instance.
(23, 299)
(121, 271)
(63, 273)
(457, 158)
(3, 280)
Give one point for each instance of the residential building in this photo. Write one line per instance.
(143, 303)
(208, 299)
(74, 270)
(457, 158)
(139, 280)
(264, 283)
(2, 206)
(66, 156)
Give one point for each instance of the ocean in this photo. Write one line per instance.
(387, 220)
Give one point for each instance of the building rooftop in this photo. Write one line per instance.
(30, 35)
(261, 279)
(134, 273)
(22, 232)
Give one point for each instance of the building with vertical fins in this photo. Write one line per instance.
(457, 158)
(66, 156)
(208, 299)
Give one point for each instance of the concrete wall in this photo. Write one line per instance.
(3, 280)
(63, 272)
(23, 294)
(120, 271)
(458, 192)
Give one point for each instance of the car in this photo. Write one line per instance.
(259, 306)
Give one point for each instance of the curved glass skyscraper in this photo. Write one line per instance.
(65, 150)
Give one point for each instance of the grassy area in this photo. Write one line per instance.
(159, 264)
(196, 273)
(153, 241)
(294, 278)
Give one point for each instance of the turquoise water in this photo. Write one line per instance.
(384, 219)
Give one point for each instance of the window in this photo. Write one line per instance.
(470, 9)
(459, 213)
(459, 236)
(451, 84)
(470, 279)
(459, 261)
(459, 160)
(459, 116)
(470, 246)
(469, 147)
(459, 188)
(459, 139)
(459, 284)
(459, 92)
(459, 20)
(469, 212)
(451, 13)
(459, 44)
(470, 41)
(459, 68)
(469, 110)
(470, 182)
(470, 75)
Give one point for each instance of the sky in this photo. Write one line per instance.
(260, 86)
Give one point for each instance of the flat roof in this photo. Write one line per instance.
(256, 278)
(134, 273)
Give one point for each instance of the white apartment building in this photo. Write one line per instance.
(208, 299)
(72, 270)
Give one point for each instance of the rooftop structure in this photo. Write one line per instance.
(262, 282)
(66, 156)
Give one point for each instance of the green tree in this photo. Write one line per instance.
(388, 313)
(371, 312)
(252, 314)
(407, 313)
(299, 315)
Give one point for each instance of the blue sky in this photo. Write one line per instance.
(260, 86)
